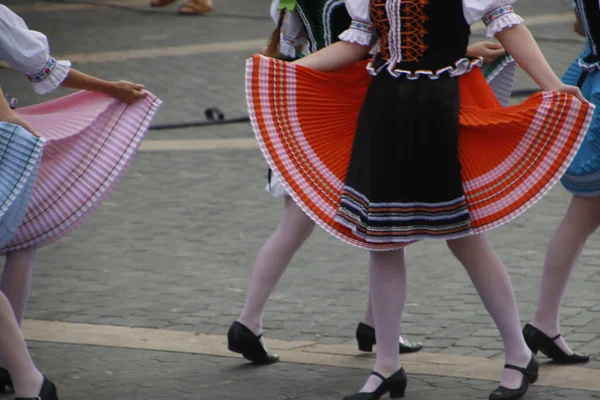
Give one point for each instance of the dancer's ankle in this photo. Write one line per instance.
(548, 328)
(254, 326)
(30, 385)
(519, 358)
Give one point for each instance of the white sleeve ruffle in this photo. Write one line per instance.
(361, 28)
(28, 51)
(495, 14)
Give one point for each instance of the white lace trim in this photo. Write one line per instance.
(44, 83)
(589, 67)
(460, 67)
(359, 32)
(501, 23)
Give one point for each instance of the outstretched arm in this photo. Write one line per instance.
(28, 52)
(518, 42)
(124, 91)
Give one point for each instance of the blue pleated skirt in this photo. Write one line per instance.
(20, 156)
(583, 175)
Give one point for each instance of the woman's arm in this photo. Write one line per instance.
(124, 91)
(335, 56)
(29, 52)
(354, 45)
(519, 43)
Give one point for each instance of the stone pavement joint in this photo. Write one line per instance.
(198, 144)
(300, 352)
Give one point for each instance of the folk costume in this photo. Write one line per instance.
(583, 175)
(361, 153)
(90, 139)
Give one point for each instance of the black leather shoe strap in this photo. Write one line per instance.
(520, 369)
(555, 337)
(377, 374)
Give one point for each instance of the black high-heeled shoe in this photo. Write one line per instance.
(6, 384)
(530, 376)
(365, 337)
(47, 392)
(395, 384)
(241, 340)
(539, 341)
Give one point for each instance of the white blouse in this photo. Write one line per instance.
(496, 14)
(293, 34)
(28, 51)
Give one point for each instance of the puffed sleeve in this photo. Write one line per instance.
(361, 28)
(28, 52)
(495, 14)
(292, 30)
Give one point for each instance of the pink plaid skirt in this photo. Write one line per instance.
(90, 141)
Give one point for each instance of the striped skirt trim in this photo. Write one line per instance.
(90, 141)
(305, 123)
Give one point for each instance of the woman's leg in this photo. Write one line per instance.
(370, 322)
(581, 220)
(493, 284)
(16, 279)
(272, 260)
(27, 380)
(387, 288)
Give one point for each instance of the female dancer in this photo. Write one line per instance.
(406, 174)
(90, 139)
(22, 152)
(583, 215)
(304, 27)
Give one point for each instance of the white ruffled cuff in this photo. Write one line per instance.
(359, 32)
(51, 76)
(500, 19)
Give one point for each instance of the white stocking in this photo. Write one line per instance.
(492, 282)
(16, 279)
(272, 260)
(369, 319)
(581, 220)
(387, 288)
(27, 380)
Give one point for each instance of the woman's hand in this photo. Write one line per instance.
(489, 51)
(126, 92)
(574, 90)
(13, 118)
(578, 28)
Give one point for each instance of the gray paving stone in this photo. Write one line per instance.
(92, 372)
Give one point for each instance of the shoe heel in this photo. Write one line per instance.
(397, 394)
(365, 346)
(533, 380)
(397, 386)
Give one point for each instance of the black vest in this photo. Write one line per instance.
(324, 21)
(589, 13)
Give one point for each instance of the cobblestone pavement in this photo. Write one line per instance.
(173, 246)
(126, 374)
